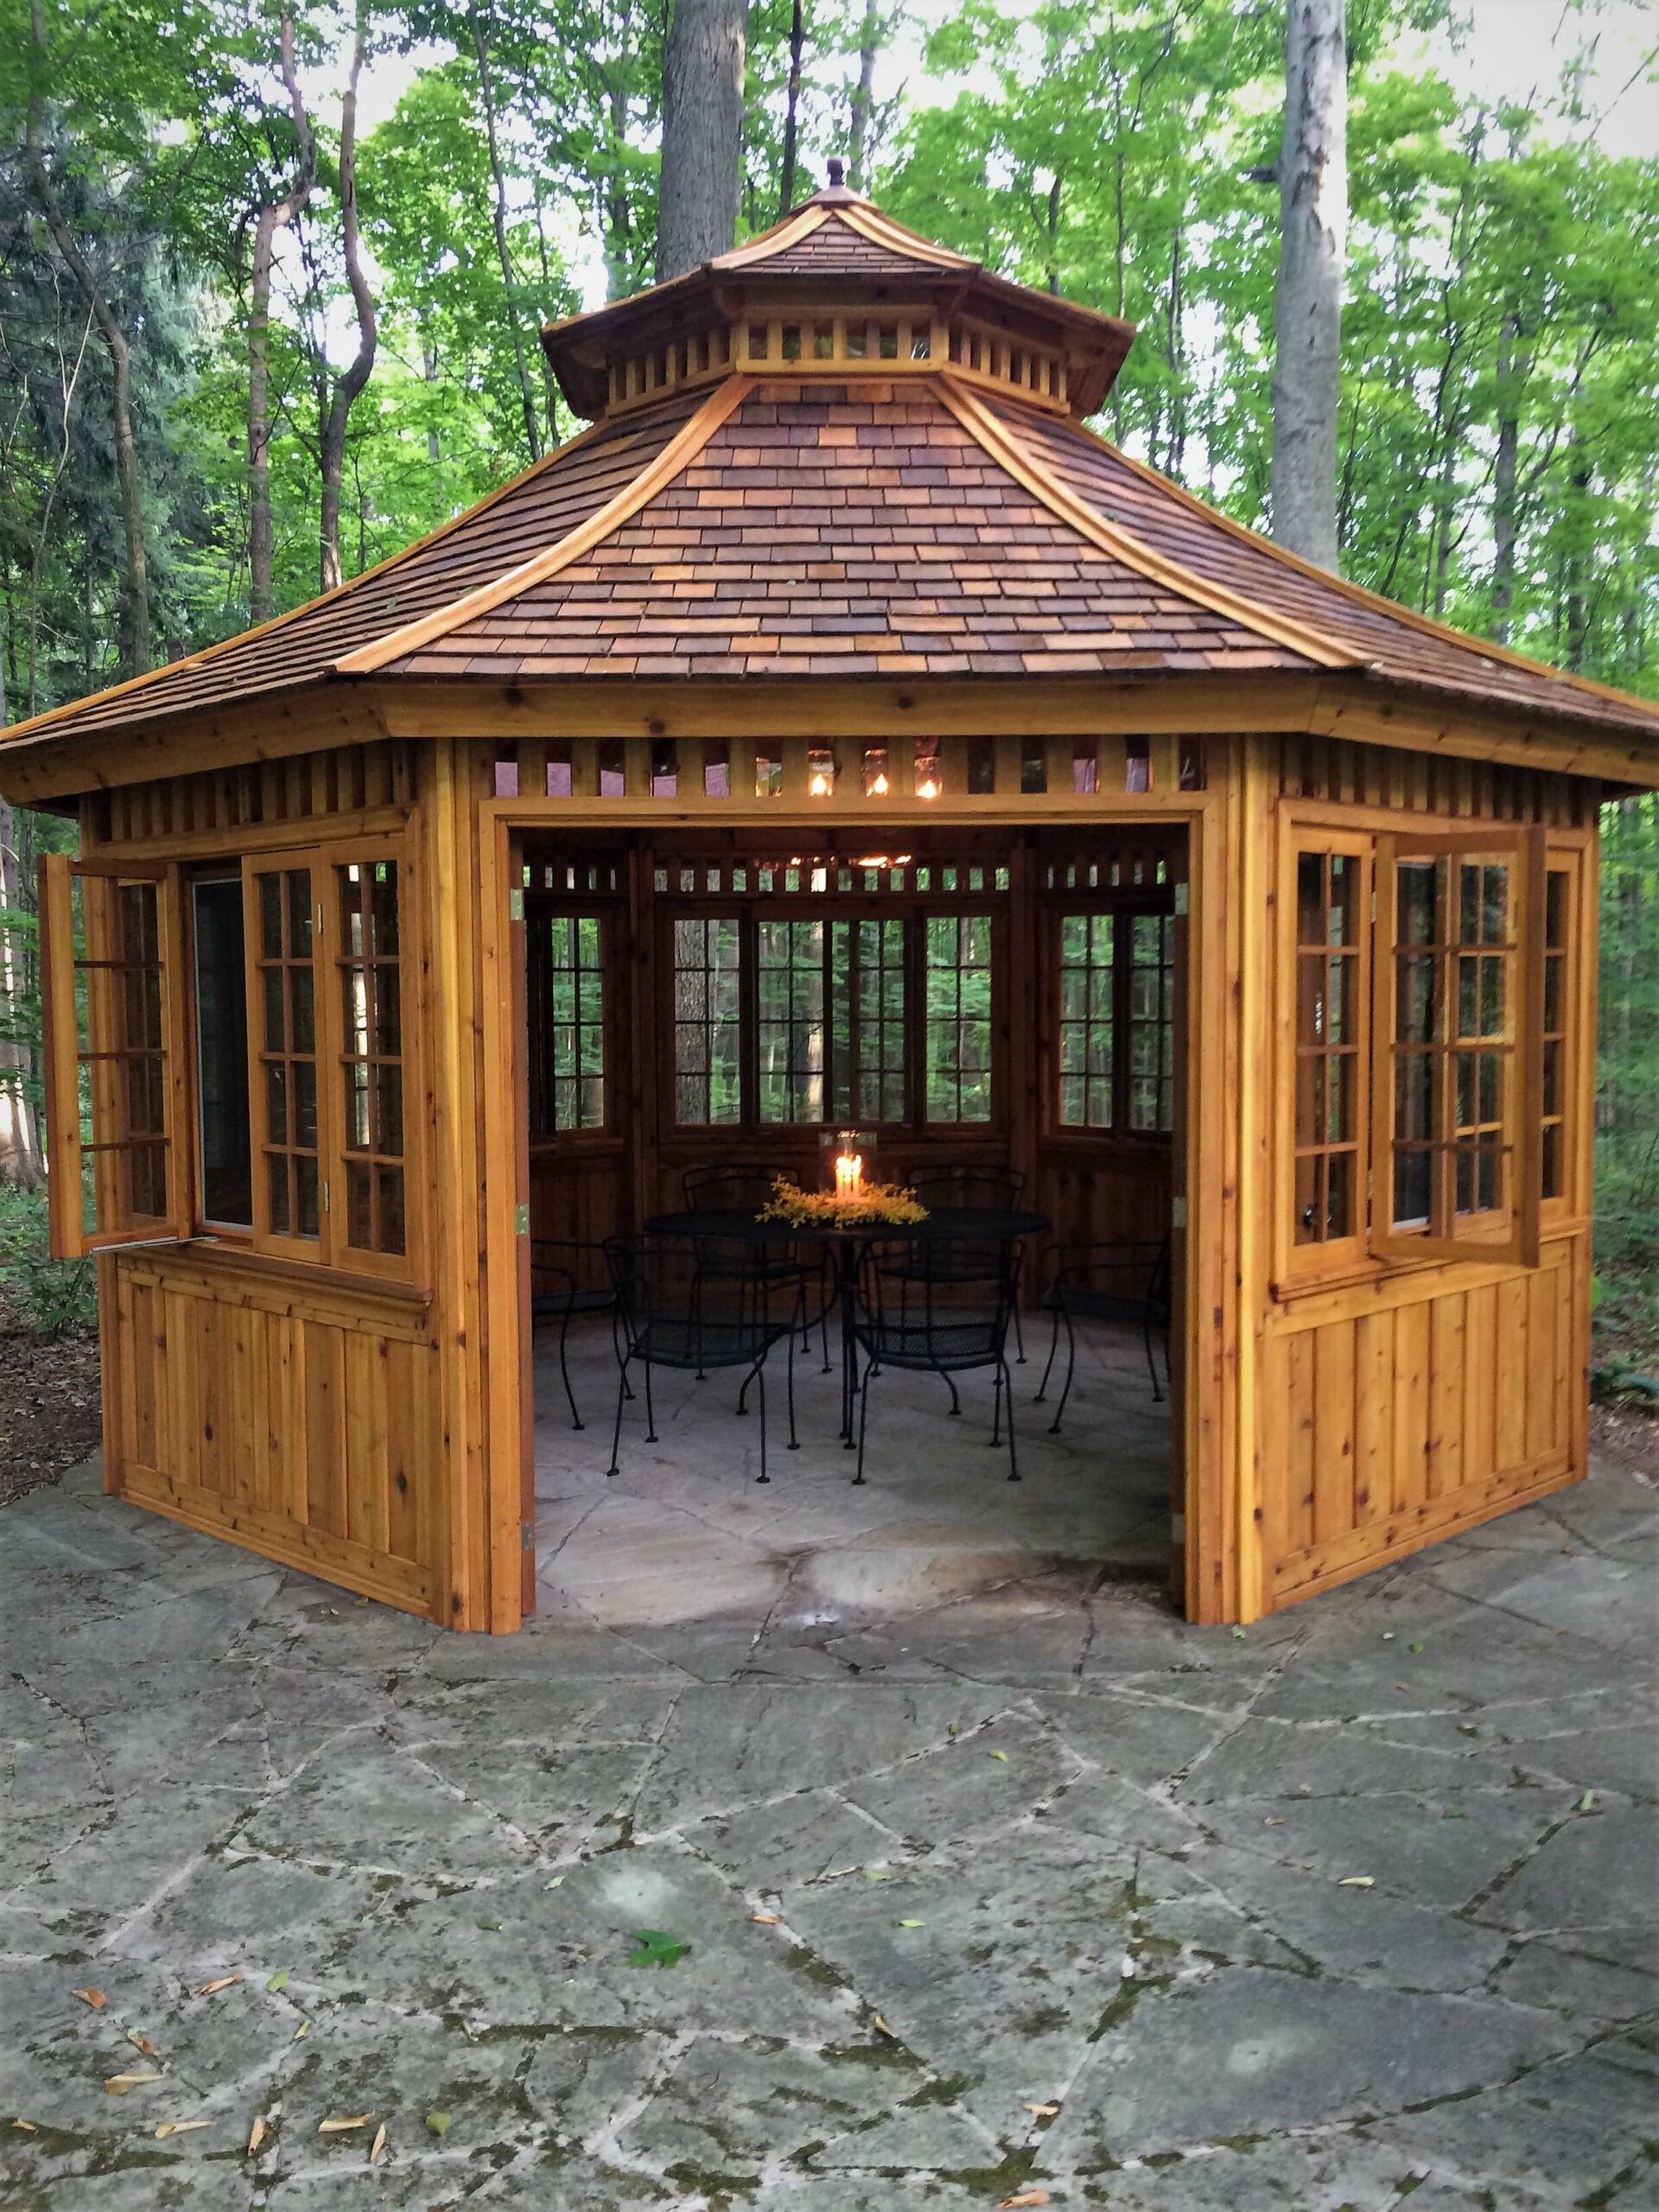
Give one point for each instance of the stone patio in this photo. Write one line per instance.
(997, 1880)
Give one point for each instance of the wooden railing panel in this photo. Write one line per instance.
(299, 1423)
(1404, 1423)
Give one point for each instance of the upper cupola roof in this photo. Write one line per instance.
(837, 289)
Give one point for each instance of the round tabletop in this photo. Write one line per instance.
(986, 1223)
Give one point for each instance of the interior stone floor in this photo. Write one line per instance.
(799, 1859)
(684, 1532)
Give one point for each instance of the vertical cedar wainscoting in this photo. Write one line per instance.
(1396, 1404)
(300, 1420)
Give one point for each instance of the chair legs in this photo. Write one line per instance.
(1048, 1364)
(564, 1369)
(1070, 1367)
(616, 1432)
(1152, 1363)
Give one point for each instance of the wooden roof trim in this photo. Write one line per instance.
(682, 447)
(778, 239)
(1004, 448)
(1479, 648)
(881, 230)
(153, 676)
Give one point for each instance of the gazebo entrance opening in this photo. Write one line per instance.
(1002, 1012)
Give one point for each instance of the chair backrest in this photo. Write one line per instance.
(720, 1190)
(1123, 1278)
(940, 1283)
(998, 1187)
(562, 1264)
(686, 1287)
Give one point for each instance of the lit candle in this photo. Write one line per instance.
(849, 1175)
(819, 786)
(878, 788)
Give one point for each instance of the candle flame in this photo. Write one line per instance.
(878, 788)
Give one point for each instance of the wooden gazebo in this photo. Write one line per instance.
(470, 900)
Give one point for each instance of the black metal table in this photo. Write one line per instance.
(991, 1224)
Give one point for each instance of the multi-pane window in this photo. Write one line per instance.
(567, 1024)
(113, 1076)
(1151, 1021)
(219, 942)
(1328, 983)
(286, 997)
(788, 1019)
(867, 1034)
(1558, 895)
(1452, 1040)
(370, 970)
(1087, 1017)
(1427, 1044)
(707, 1086)
(958, 1017)
(791, 1020)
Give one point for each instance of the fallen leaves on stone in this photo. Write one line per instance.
(882, 2028)
(1021, 2198)
(1001, 1755)
(181, 2127)
(1357, 1882)
(278, 1980)
(764, 1919)
(1586, 1803)
(255, 2134)
(95, 1997)
(344, 2124)
(224, 1982)
(1042, 2111)
(119, 2084)
(437, 2123)
(654, 1946)
(140, 2043)
(911, 1923)
(377, 2149)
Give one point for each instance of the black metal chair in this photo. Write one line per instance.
(693, 1303)
(944, 1311)
(996, 1189)
(1117, 1279)
(749, 1190)
(568, 1277)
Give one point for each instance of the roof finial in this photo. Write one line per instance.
(837, 172)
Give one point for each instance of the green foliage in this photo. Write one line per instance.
(41, 1296)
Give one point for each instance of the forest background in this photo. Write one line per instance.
(271, 279)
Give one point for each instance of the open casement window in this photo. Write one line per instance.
(116, 1060)
(329, 1038)
(1458, 1045)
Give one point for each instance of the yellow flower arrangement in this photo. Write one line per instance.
(877, 1202)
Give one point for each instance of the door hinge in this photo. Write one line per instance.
(1180, 898)
(1177, 1213)
(527, 1536)
(521, 1221)
(515, 904)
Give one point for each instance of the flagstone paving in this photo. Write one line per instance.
(996, 1877)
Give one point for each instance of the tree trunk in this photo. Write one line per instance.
(1506, 522)
(792, 109)
(274, 217)
(1307, 303)
(863, 101)
(20, 1137)
(338, 406)
(527, 391)
(134, 593)
(702, 116)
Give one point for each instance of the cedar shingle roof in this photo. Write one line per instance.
(836, 530)
(1390, 640)
(840, 524)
